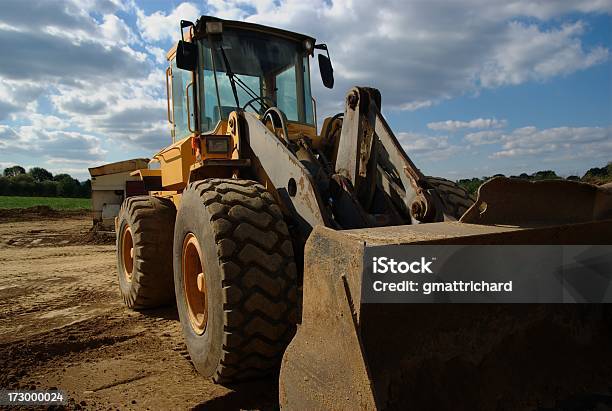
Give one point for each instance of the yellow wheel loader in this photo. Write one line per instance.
(255, 223)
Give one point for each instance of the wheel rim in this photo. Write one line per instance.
(127, 253)
(195, 284)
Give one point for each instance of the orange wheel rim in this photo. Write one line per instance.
(195, 284)
(127, 252)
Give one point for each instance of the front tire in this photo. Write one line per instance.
(455, 198)
(235, 279)
(144, 251)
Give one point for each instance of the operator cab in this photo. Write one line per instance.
(226, 66)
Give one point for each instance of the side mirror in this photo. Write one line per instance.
(186, 53)
(325, 67)
(186, 56)
(327, 71)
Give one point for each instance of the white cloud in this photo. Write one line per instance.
(56, 146)
(161, 26)
(454, 125)
(116, 30)
(528, 53)
(15, 95)
(61, 45)
(47, 122)
(424, 147)
(90, 71)
(102, 6)
(415, 105)
(483, 137)
(525, 149)
(131, 111)
(556, 144)
(158, 53)
(7, 136)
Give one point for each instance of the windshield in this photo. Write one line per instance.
(263, 67)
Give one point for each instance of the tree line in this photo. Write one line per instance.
(39, 182)
(596, 175)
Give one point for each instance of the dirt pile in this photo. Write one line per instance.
(95, 236)
(44, 227)
(21, 214)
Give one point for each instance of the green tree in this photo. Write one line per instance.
(4, 186)
(85, 189)
(470, 184)
(597, 172)
(68, 187)
(14, 171)
(24, 185)
(545, 175)
(63, 176)
(599, 175)
(49, 188)
(40, 174)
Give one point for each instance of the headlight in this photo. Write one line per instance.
(214, 27)
(308, 45)
(217, 145)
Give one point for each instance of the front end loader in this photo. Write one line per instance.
(256, 224)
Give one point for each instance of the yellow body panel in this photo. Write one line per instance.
(298, 130)
(145, 172)
(176, 160)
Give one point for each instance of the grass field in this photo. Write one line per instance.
(56, 203)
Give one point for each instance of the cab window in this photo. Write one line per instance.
(180, 80)
(286, 93)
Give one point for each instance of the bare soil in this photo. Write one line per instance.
(63, 325)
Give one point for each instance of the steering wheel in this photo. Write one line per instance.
(262, 100)
(278, 120)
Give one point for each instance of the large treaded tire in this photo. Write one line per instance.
(250, 276)
(151, 223)
(454, 197)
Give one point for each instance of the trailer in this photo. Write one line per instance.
(110, 185)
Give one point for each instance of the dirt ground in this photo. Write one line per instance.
(63, 325)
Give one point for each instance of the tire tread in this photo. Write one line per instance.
(151, 220)
(455, 198)
(259, 316)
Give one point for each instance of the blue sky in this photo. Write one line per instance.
(470, 87)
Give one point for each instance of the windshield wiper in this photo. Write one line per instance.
(230, 76)
(234, 79)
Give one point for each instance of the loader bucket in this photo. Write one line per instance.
(348, 354)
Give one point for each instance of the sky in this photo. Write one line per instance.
(470, 87)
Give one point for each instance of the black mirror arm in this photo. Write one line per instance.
(185, 23)
(323, 46)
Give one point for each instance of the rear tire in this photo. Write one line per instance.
(144, 251)
(455, 198)
(245, 316)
